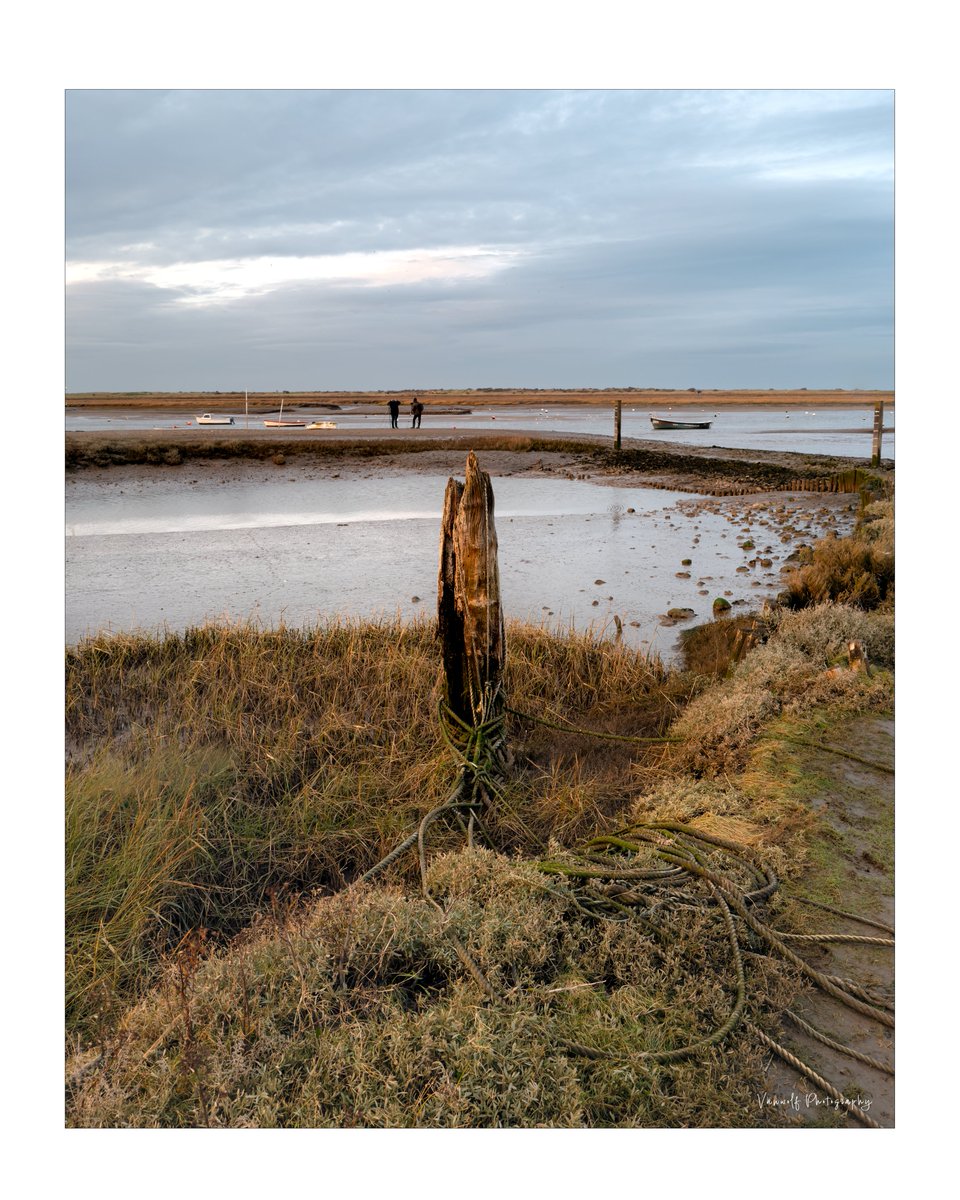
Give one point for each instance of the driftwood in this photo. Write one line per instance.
(469, 611)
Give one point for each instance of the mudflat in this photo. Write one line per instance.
(478, 398)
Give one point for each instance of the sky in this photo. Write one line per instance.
(362, 240)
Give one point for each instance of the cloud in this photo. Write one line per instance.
(554, 238)
(219, 280)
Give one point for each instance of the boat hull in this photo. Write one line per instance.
(284, 424)
(661, 423)
(207, 419)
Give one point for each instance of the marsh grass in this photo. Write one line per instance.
(790, 674)
(225, 785)
(857, 571)
(360, 1012)
(173, 450)
(210, 768)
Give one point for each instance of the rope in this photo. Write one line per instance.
(840, 912)
(853, 938)
(848, 1106)
(612, 878)
(779, 737)
(566, 727)
(838, 1046)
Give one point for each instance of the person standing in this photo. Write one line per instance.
(394, 406)
(416, 408)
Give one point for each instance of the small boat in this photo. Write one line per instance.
(280, 423)
(665, 423)
(214, 419)
(322, 425)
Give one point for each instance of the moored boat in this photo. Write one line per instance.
(666, 423)
(280, 423)
(214, 419)
(322, 425)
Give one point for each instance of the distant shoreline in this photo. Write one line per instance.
(482, 398)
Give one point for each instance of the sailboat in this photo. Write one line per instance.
(280, 423)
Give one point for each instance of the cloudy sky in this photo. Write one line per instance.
(392, 239)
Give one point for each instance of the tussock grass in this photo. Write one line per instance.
(788, 674)
(856, 571)
(211, 768)
(361, 1013)
(136, 845)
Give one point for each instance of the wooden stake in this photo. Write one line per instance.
(617, 423)
(877, 434)
(469, 611)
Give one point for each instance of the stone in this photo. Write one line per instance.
(680, 614)
(720, 605)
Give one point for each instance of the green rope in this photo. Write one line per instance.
(566, 727)
(866, 762)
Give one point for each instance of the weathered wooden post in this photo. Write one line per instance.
(469, 611)
(617, 423)
(877, 434)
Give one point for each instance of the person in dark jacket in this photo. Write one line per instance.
(394, 406)
(416, 408)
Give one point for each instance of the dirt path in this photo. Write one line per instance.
(854, 855)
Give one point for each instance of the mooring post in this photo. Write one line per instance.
(877, 434)
(469, 611)
(617, 423)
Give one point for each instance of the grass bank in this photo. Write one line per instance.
(226, 785)
(730, 471)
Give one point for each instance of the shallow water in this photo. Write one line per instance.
(164, 551)
(839, 431)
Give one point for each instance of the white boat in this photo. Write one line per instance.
(322, 425)
(669, 423)
(280, 423)
(214, 419)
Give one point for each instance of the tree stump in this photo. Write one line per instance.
(469, 611)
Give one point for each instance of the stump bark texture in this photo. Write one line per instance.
(469, 610)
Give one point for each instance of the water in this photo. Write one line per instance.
(162, 551)
(838, 431)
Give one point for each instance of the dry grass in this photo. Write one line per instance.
(360, 1012)
(236, 780)
(794, 672)
(856, 571)
(210, 769)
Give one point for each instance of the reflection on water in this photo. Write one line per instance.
(166, 507)
(161, 551)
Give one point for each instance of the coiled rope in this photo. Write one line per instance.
(644, 872)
